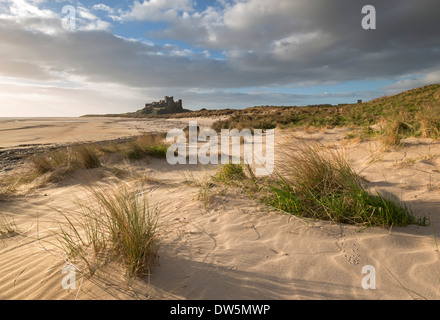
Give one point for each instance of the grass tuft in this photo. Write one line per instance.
(66, 159)
(118, 224)
(51, 160)
(230, 173)
(318, 183)
(157, 151)
(147, 145)
(88, 156)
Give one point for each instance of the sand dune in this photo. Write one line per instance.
(237, 248)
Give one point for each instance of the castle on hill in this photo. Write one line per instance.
(168, 105)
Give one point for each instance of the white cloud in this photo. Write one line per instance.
(300, 46)
(103, 7)
(157, 10)
(28, 15)
(28, 8)
(242, 25)
(414, 81)
(88, 21)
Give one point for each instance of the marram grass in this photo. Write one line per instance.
(117, 225)
(229, 173)
(318, 183)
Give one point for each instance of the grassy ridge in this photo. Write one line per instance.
(411, 113)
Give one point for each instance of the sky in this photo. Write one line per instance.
(70, 58)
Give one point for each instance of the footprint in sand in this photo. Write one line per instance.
(350, 249)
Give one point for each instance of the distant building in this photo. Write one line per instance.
(168, 105)
(360, 101)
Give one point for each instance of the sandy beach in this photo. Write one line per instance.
(19, 132)
(237, 247)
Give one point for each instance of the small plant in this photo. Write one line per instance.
(66, 159)
(205, 193)
(396, 128)
(87, 156)
(351, 135)
(52, 160)
(135, 151)
(229, 173)
(147, 145)
(157, 151)
(119, 224)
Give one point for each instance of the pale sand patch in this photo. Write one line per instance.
(239, 249)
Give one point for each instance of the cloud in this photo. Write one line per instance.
(316, 39)
(28, 8)
(414, 81)
(28, 14)
(157, 10)
(264, 43)
(103, 7)
(100, 56)
(86, 20)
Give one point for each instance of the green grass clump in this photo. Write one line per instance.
(362, 134)
(157, 151)
(147, 145)
(118, 225)
(319, 183)
(230, 172)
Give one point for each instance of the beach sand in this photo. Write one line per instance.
(25, 132)
(236, 248)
